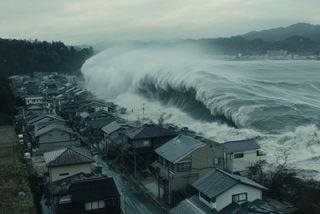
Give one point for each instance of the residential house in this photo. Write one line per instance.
(142, 142)
(224, 193)
(84, 194)
(83, 119)
(35, 109)
(112, 139)
(55, 136)
(93, 131)
(94, 106)
(242, 154)
(52, 89)
(67, 162)
(69, 109)
(99, 114)
(184, 159)
(81, 94)
(45, 120)
(31, 87)
(33, 100)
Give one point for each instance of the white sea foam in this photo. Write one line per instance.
(238, 91)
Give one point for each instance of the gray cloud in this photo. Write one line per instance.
(83, 21)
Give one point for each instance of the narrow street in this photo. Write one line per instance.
(133, 200)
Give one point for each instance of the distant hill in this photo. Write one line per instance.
(305, 30)
(24, 57)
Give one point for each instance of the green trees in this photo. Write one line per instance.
(7, 102)
(24, 57)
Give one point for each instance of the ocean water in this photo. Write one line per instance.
(276, 101)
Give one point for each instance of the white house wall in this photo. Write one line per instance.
(249, 159)
(225, 199)
(71, 169)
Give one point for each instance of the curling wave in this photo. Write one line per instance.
(276, 101)
(241, 94)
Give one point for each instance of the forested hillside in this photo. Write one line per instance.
(23, 57)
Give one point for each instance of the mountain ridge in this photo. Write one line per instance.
(301, 29)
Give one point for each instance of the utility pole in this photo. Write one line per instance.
(143, 108)
(159, 192)
(135, 162)
(169, 187)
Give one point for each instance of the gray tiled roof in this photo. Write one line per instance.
(253, 207)
(68, 156)
(149, 131)
(240, 145)
(102, 114)
(42, 116)
(178, 147)
(191, 205)
(51, 127)
(111, 127)
(217, 181)
(99, 123)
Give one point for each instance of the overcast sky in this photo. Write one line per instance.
(91, 21)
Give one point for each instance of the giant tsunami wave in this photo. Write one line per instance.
(276, 100)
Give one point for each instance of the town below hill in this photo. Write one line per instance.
(77, 143)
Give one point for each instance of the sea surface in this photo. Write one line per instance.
(277, 101)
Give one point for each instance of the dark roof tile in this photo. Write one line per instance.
(240, 145)
(68, 156)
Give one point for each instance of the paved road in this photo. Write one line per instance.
(133, 200)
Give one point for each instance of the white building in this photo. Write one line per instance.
(67, 162)
(241, 154)
(217, 190)
(34, 100)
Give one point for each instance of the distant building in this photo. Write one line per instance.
(31, 100)
(277, 54)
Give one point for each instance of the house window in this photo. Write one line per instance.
(239, 197)
(94, 205)
(259, 153)
(182, 167)
(216, 161)
(239, 155)
(146, 143)
(111, 203)
(64, 174)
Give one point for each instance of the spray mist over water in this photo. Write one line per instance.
(262, 98)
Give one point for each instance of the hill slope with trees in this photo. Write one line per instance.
(24, 57)
(305, 30)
